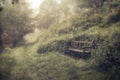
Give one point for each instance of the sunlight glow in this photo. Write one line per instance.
(58, 1)
(34, 4)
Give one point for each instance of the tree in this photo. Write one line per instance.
(93, 3)
(15, 1)
(48, 13)
(14, 24)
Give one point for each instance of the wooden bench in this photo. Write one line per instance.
(80, 49)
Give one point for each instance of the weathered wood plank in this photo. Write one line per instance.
(85, 42)
(78, 50)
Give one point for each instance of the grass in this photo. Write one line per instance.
(24, 63)
(53, 65)
(29, 65)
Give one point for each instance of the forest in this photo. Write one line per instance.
(59, 39)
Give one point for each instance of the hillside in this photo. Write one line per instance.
(82, 43)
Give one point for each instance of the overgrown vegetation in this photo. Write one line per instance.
(60, 23)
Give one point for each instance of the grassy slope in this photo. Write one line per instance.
(24, 63)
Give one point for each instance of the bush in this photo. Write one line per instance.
(107, 58)
(6, 66)
(114, 18)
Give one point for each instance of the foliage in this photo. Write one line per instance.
(59, 24)
(6, 65)
(14, 25)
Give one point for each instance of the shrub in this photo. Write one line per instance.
(6, 66)
(107, 57)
